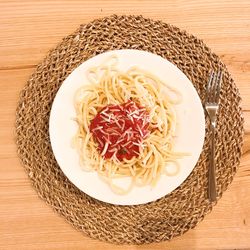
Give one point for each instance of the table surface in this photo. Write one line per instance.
(29, 29)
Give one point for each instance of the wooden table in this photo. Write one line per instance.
(29, 29)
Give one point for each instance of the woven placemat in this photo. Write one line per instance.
(169, 216)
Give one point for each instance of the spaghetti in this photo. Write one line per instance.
(126, 125)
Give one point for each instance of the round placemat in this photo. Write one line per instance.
(169, 216)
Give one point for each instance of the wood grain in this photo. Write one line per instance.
(29, 30)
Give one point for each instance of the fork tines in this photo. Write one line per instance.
(213, 87)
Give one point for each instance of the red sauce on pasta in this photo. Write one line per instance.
(120, 130)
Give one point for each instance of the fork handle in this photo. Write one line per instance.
(212, 194)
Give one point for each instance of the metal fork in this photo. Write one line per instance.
(212, 106)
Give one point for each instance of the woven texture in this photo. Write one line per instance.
(169, 216)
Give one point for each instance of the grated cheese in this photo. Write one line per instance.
(105, 149)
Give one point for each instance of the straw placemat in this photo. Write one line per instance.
(169, 216)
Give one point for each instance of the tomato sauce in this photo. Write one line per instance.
(119, 130)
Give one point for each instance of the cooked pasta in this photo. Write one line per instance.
(126, 123)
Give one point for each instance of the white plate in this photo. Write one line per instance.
(190, 128)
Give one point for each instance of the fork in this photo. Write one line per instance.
(212, 106)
